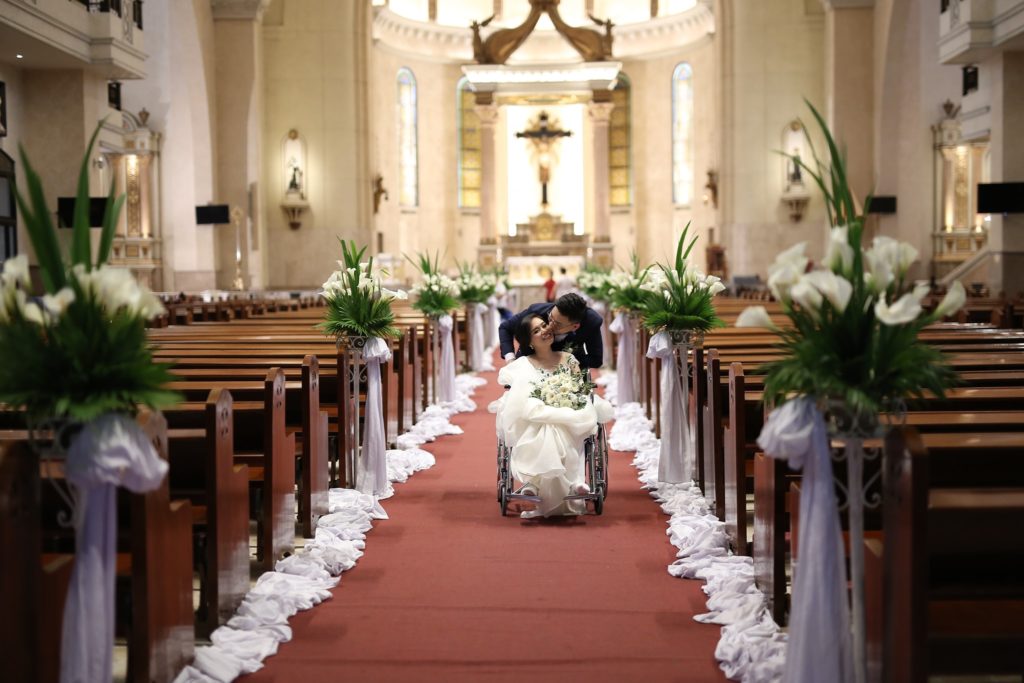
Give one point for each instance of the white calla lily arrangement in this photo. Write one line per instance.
(437, 294)
(475, 287)
(854, 316)
(358, 305)
(679, 298)
(80, 350)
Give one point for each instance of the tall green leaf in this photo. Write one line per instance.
(80, 247)
(40, 228)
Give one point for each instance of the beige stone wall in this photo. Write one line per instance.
(437, 223)
(772, 57)
(911, 87)
(314, 80)
(654, 224)
(178, 91)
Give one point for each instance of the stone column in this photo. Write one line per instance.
(1006, 233)
(600, 113)
(488, 113)
(850, 86)
(238, 40)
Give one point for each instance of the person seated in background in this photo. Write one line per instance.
(572, 323)
(565, 284)
(546, 441)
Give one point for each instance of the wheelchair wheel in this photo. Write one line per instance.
(503, 500)
(599, 501)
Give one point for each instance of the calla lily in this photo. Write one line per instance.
(755, 316)
(839, 253)
(906, 309)
(782, 278)
(716, 288)
(835, 288)
(56, 304)
(16, 270)
(806, 295)
(951, 303)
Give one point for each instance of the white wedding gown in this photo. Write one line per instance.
(546, 442)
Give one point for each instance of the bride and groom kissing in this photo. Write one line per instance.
(545, 347)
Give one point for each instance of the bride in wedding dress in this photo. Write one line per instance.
(546, 441)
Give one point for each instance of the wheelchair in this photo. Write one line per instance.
(595, 466)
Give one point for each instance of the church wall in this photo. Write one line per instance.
(913, 85)
(773, 58)
(654, 224)
(436, 224)
(178, 92)
(314, 81)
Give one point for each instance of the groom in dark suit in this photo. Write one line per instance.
(573, 324)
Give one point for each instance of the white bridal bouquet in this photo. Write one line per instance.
(564, 388)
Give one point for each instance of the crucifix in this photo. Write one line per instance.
(544, 137)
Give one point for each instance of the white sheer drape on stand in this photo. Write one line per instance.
(446, 362)
(478, 360)
(626, 359)
(819, 624)
(372, 476)
(110, 451)
(675, 465)
(601, 308)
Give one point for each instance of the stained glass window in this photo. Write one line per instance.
(468, 124)
(682, 134)
(408, 160)
(620, 172)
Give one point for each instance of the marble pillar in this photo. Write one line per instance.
(599, 113)
(238, 33)
(849, 86)
(488, 113)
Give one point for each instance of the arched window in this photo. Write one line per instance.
(620, 161)
(468, 125)
(682, 134)
(408, 155)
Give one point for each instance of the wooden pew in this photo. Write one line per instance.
(261, 442)
(154, 560)
(203, 470)
(953, 593)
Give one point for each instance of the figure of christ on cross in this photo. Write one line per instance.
(543, 138)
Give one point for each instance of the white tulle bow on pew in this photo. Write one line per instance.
(819, 646)
(626, 359)
(372, 477)
(111, 451)
(478, 359)
(675, 465)
(446, 362)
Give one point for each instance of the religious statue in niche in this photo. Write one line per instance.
(544, 134)
(295, 162)
(795, 173)
(295, 184)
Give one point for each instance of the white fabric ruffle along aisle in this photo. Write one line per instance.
(752, 647)
(304, 579)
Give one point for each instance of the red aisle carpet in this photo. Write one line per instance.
(451, 591)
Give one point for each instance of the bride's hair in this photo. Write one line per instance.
(524, 334)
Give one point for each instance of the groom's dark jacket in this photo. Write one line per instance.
(586, 341)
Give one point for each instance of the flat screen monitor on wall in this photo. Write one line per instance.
(212, 214)
(1001, 198)
(66, 211)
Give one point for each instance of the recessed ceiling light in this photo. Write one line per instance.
(20, 56)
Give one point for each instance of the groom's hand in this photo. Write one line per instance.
(509, 357)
